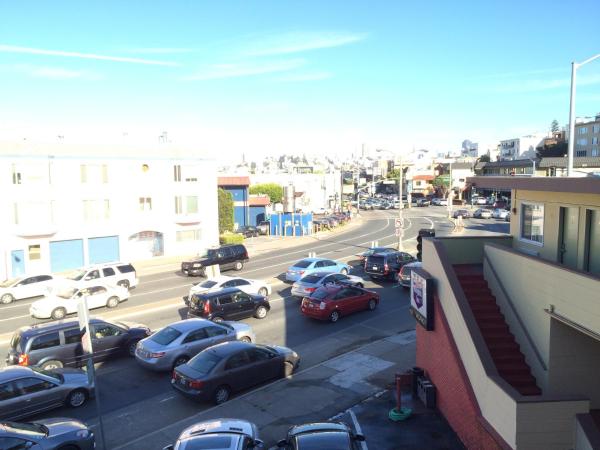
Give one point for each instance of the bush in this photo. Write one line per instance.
(225, 211)
(231, 238)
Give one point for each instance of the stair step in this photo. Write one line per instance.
(503, 347)
(529, 390)
(512, 369)
(497, 335)
(517, 379)
(486, 327)
(511, 358)
(484, 306)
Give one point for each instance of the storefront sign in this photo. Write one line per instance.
(421, 298)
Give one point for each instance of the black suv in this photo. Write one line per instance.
(58, 344)
(227, 304)
(227, 257)
(386, 265)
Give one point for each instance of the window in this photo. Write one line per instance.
(41, 278)
(177, 173)
(178, 206)
(259, 354)
(102, 331)
(213, 331)
(238, 360)
(596, 129)
(145, 203)
(94, 173)
(225, 300)
(196, 335)
(96, 210)
(581, 153)
(7, 391)
(595, 152)
(108, 271)
(94, 274)
(188, 235)
(33, 385)
(583, 130)
(34, 252)
(594, 140)
(31, 173)
(45, 341)
(10, 443)
(32, 212)
(532, 222)
(72, 336)
(582, 141)
(127, 268)
(192, 205)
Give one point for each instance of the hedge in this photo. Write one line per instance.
(231, 238)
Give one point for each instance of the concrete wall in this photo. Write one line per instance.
(587, 435)
(469, 249)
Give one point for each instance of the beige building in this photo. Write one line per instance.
(587, 137)
(516, 324)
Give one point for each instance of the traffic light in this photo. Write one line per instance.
(423, 232)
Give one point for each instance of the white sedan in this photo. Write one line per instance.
(64, 301)
(24, 287)
(500, 213)
(249, 286)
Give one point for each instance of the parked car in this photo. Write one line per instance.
(321, 435)
(416, 196)
(119, 274)
(500, 204)
(228, 304)
(507, 218)
(330, 302)
(220, 370)
(499, 213)
(57, 344)
(423, 202)
(26, 391)
(482, 213)
(254, 287)
(47, 434)
(232, 256)
(24, 287)
(248, 231)
(403, 276)
(479, 201)
(385, 265)
(464, 213)
(264, 227)
(178, 342)
(364, 255)
(309, 265)
(311, 282)
(443, 202)
(236, 434)
(63, 301)
(322, 211)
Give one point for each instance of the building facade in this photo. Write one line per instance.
(587, 138)
(238, 188)
(521, 147)
(64, 212)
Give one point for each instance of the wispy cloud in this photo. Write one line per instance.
(50, 73)
(244, 69)
(544, 85)
(296, 42)
(309, 76)
(159, 50)
(523, 73)
(94, 56)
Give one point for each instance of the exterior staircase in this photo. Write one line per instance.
(501, 343)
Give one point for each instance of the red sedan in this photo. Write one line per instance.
(332, 301)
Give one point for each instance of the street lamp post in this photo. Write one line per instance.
(574, 67)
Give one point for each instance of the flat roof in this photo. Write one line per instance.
(575, 185)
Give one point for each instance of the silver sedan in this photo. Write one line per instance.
(48, 434)
(311, 282)
(26, 391)
(178, 342)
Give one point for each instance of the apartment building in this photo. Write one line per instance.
(511, 322)
(61, 211)
(521, 147)
(587, 137)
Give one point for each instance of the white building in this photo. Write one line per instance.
(520, 148)
(61, 212)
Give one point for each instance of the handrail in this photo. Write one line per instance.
(572, 324)
(514, 311)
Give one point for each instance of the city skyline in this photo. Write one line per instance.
(273, 78)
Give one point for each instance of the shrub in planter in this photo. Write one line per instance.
(231, 238)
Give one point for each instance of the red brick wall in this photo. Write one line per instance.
(438, 356)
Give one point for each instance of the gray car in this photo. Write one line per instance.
(311, 282)
(224, 434)
(25, 391)
(178, 342)
(47, 434)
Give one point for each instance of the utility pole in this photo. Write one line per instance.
(401, 208)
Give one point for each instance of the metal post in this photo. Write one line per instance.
(401, 208)
(571, 145)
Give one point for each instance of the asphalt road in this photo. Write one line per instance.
(128, 392)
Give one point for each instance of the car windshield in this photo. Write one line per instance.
(48, 373)
(331, 440)
(320, 294)
(15, 341)
(8, 283)
(31, 429)
(208, 284)
(211, 253)
(303, 263)
(204, 362)
(76, 275)
(210, 442)
(66, 293)
(165, 336)
(313, 279)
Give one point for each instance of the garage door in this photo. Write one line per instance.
(66, 255)
(103, 249)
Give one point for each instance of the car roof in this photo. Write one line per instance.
(218, 279)
(12, 372)
(228, 290)
(318, 426)
(236, 426)
(190, 324)
(320, 274)
(331, 288)
(227, 348)
(32, 330)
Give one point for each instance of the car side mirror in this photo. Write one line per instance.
(359, 437)
(169, 447)
(282, 443)
(257, 444)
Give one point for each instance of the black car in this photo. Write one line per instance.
(227, 304)
(423, 202)
(219, 370)
(248, 231)
(386, 265)
(264, 227)
(58, 344)
(228, 257)
(330, 435)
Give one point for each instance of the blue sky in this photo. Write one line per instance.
(272, 76)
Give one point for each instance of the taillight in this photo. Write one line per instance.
(301, 272)
(402, 272)
(196, 384)
(386, 267)
(174, 375)
(23, 359)
(207, 307)
(157, 355)
(311, 289)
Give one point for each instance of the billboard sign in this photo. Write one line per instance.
(421, 298)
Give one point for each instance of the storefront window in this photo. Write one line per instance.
(532, 222)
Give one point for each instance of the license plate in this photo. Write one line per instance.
(374, 267)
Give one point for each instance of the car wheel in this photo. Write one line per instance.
(58, 313)
(344, 271)
(123, 283)
(112, 302)
(288, 369)
(6, 299)
(53, 364)
(69, 447)
(245, 339)
(334, 316)
(217, 319)
(76, 398)
(263, 291)
(238, 265)
(221, 394)
(372, 304)
(131, 348)
(261, 312)
(360, 285)
(180, 360)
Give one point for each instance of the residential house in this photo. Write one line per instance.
(237, 186)
(587, 138)
(520, 148)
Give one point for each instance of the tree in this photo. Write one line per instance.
(441, 184)
(273, 190)
(552, 150)
(554, 126)
(484, 158)
(225, 211)
(393, 174)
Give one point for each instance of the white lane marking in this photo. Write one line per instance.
(357, 428)
(20, 305)
(13, 318)
(167, 399)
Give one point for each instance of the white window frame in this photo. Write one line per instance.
(524, 239)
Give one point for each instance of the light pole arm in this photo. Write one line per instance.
(578, 65)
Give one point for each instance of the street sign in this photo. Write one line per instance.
(399, 232)
(398, 222)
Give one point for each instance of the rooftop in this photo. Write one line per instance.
(585, 185)
(233, 181)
